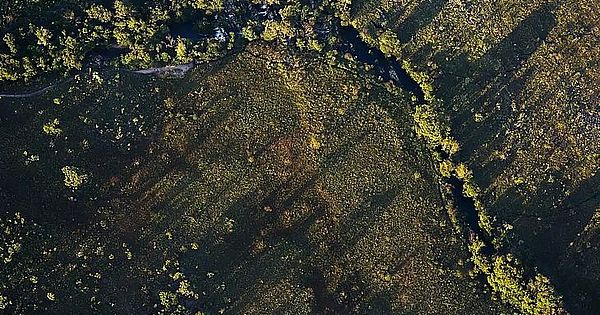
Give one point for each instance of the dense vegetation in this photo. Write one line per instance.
(283, 175)
(58, 35)
(52, 35)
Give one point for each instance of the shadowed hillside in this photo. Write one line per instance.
(519, 86)
(265, 188)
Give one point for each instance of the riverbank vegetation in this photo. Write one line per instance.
(506, 72)
(503, 271)
(56, 36)
(255, 184)
(275, 157)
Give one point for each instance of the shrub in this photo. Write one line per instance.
(463, 172)
(470, 190)
(73, 179)
(389, 43)
(536, 297)
(168, 299)
(52, 127)
(248, 33)
(181, 53)
(484, 221)
(450, 146)
(446, 168)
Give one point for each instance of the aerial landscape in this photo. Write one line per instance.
(300, 157)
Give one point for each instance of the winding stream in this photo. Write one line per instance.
(389, 69)
(386, 68)
(36, 92)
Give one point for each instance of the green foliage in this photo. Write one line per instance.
(277, 29)
(43, 36)
(389, 43)
(168, 299)
(11, 237)
(504, 273)
(40, 38)
(52, 127)
(481, 261)
(342, 10)
(421, 78)
(485, 222)
(62, 44)
(9, 40)
(231, 41)
(208, 5)
(315, 45)
(450, 146)
(463, 172)
(535, 297)
(248, 33)
(453, 216)
(73, 177)
(470, 190)
(446, 167)
(506, 277)
(70, 56)
(182, 55)
(427, 124)
(99, 13)
(546, 300)
(4, 302)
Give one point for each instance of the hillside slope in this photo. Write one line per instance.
(266, 182)
(519, 85)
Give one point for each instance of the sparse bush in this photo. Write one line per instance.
(481, 261)
(73, 178)
(453, 215)
(446, 167)
(52, 127)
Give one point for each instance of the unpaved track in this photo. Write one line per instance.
(34, 93)
(177, 71)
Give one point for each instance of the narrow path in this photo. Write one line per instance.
(34, 93)
(176, 71)
(179, 70)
